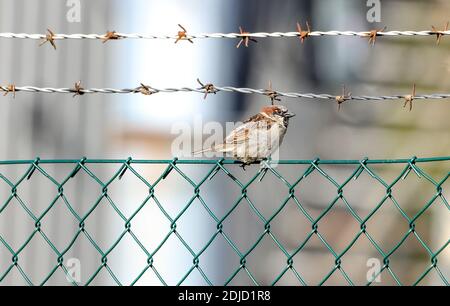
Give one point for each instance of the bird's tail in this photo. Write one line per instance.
(198, 152)
(224, 148)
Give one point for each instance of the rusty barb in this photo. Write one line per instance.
(182, 35)
(111, 35)
(49, 37)
(209, 88)
(302, 35)
(145, 90)
(245, 38)
(438, 33)
(273, 95)
(410, 98)
(78, 90)
(373, 35)
(344, 97)
(8, 89)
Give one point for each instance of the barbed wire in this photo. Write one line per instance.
(242, 90)
(220, 35)
(243, 35)
(209, 88)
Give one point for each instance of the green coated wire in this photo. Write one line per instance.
(243, 256)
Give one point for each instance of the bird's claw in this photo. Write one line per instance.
(264, 168)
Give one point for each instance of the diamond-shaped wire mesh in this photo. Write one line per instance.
(221, 170)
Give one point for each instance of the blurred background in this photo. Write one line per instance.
(113, 126)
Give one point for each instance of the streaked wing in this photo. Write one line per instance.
(241, 134)
(256, 118)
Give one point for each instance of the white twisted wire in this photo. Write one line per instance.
(153, 90)
(223, 35)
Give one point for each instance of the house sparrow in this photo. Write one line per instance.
(258, 137)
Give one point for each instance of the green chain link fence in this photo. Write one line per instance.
(35, 167)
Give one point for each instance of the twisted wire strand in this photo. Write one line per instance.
(152, 90)
(224, 35)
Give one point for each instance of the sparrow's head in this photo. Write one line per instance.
(278, 111)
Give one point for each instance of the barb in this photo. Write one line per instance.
(410, 98)
(145, 90)
(8, 89)
(209, 88)
(373, 35)
(438, 33)
(245, 38)
(254, 35)
(182, 35)
(148, 90)
(110, 35)
(50, 38)
(272, 94)
(78, 90)
(302, 35)
(344, 97)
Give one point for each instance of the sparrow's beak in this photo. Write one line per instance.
(289, 115)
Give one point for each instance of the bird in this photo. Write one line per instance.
(257, 138)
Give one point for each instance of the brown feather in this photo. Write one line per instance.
(269, 110)
(256, 118)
